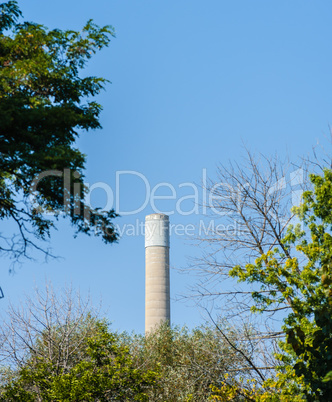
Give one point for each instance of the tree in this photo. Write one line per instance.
(305, 285)
(54, 346)
(285, 267)
(191, 363)
(44, 106)
(106, 374)
(248, 212)
(57, 349)
(50, 325)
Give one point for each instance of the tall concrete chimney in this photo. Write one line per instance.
(157, 288)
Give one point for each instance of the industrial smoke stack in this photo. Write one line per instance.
(157, 289)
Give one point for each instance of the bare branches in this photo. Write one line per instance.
(249, 211)
(48, 325)
(239, 351)
(250, 208)
(254, 202)
(23, 236)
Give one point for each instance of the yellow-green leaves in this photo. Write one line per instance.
(303, 283)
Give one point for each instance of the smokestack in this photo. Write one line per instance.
(157, 289)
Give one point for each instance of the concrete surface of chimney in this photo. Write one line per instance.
(157, 282)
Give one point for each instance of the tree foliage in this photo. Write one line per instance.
(191, 363)
(283, 271)
(106, 373)
(304, 283)
(44, 106)
(57, 349)
(54, 346)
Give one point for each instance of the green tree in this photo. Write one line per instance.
(57, 349)
(44, 106)
(106, 374)
(190, 362)
(303, 282)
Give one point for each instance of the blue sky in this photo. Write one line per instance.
(193, 82)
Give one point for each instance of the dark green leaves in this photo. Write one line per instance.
(9, 13)
(44, 106)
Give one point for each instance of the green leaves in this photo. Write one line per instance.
(9, 13)
(44, 106)
(304, 284)
(107, 372)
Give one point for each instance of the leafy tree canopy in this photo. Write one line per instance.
(106, 373)
(44, 105)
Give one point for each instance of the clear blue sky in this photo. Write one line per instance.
(192, 82)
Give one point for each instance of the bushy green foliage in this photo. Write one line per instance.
(189, 362)
(105, 373)
(56, 349)
(97, 365)
(44, 106)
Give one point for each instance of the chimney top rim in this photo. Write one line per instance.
(163, 217)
